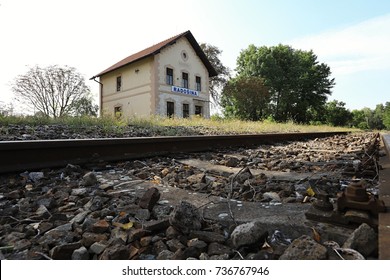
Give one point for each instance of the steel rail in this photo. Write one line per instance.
(37, 154)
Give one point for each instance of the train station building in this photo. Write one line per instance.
(170, 79)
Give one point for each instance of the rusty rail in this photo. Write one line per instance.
(27, 155)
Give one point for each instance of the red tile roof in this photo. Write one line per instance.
(155, 49)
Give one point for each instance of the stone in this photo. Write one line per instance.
(118, 233)
(243, 175)
(22, 244)
(199, 244)
(204, 257)
(145, 241)
(185, 217)
(171, 232)
(79, 218)
(247, 234)
(156, 225)
(142, 214)
(208, 236)
(232, 162)
(220, 257)
(197, 178)
(159, 246)
(42, 212)
(98, 247)
(364, 240)
(80, 254)
(100, 226)
(149, 199)
(79, 191)
(89, 179)
(215, 248)
(304, 248)
(271, 196)
(64, 251)
(116, 252)
(89, 238)
(136, 234)
(165, 255)
(174, 245)
(35, 176)
(48, 202)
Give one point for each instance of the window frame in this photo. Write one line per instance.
(169, 78)
(198, 85)
(185, 82)
(186, 110)
(170, 105)
(200, 109)
(118, 83)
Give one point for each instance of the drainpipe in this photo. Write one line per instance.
(100, 95)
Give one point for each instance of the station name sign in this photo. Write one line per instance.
(185, 91)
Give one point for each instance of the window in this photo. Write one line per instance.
(186, 110)
(118, 112)
(198, 86)
(170, 109)
(198, 110)
(118, 83)
(169, 76)
(184, 83)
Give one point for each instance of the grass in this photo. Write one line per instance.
(218, 125)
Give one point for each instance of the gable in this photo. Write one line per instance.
(155, 49)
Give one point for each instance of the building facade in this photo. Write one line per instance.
(168, 79)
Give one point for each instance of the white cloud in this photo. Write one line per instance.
(360, 47)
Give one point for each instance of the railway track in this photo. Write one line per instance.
(19, 156)
(25, 155)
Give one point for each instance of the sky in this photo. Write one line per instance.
(351, 36)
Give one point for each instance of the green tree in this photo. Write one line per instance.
(299, 85)
(336, 114)
(245, 98)
(218, 82)
(386, 116)
(359, 119)
(54, 91)
(85, 107)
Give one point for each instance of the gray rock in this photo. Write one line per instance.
(149, 199)
(89, 238)
(116, 252)
(64, 251)
(199, 244)
(232, 161)
(174, 245)
(42, 212)
(208, 236)
(143, 214)
(197, 178)
(159, 246)
(98, 247)
(165, 255)
(204, 257)
(220, 257)
(185, 217)
(364, 240)
(272, 196)
(79, 191)
(35, 176)
(89, 179)
(304, 248)
(247, 234)
(80, 254)
(79, 218)
(218, 249)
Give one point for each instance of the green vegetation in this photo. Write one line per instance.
(168, 126)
